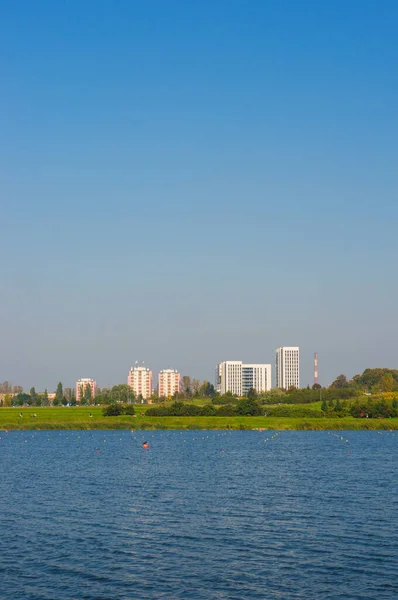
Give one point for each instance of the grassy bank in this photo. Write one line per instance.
(79, 418)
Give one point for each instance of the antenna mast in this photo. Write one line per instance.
(316, 379)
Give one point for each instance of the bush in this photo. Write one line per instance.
(228, 410)
(158, 411)
(373, 409)
(248, 407)
(115, 410)
(112, 410)
(227, 398)
(208, 410)
(293, 411)
(191, 410)
(307, 396)
(179, 409)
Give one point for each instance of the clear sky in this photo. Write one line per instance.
(189, 182)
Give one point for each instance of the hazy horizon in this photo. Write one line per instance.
(185, 184)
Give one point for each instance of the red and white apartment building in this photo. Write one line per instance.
(168, 382)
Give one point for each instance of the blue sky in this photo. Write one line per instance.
(184, 183)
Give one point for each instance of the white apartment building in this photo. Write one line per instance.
(288, 367)
(238, 378)
(81, 388)
(256, 376)
(140, 381)
(168, 383)
(229, 377)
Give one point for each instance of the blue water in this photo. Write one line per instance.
(201, 515)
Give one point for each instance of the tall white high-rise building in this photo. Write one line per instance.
(238, 378)
(288, 367)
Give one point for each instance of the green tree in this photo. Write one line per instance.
(195, 387)
(36, 398)
(69, 394)
(338, 408)
(59, 394)
(387, 382)
(21, 399)
(45, 401)
(122, 393)
(207, 390)
(355, 381)
(357, 410)
(186, 388)
(382, 409)
(252, 393)
(88, 394)
(324, 406)
(373, 377)
(340, 382)
(273, 396)
(7, 399)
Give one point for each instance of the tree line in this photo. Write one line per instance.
(243, 407)
(7, 388)
(18, 397)
(372, 381)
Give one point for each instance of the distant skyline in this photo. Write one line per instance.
(148, 366)
(188, 183)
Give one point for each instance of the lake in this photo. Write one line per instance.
(202, 515)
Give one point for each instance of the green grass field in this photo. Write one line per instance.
(78, 418)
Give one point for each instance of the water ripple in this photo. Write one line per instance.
(219, 515)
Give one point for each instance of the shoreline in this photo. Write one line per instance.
(92, 418)
(205, 423)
